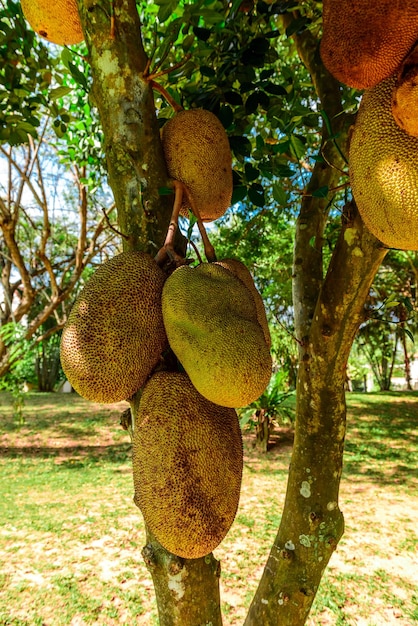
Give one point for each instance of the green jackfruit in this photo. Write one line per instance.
(212, 327)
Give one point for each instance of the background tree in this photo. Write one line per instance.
(387, 336)
(54, 202)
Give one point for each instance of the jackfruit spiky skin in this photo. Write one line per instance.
(57, 21)
(364, 42)
(187, 465)
(197, 153)
(212, 327)
(242, 272)
(384, 170)
(115, 334)
(405, 94)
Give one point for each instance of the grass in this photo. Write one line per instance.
(71, 537)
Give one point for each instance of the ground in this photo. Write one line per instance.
(71, 536)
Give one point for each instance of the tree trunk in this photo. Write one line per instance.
(187, 591)
(262, 430)
(312, 522)
(180, 584)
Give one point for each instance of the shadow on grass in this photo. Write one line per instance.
(70, 456)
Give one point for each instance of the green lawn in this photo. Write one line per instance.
(71, 537)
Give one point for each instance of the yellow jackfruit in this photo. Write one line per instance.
(242, 272)
(364, 42)
(57, 21)
(384, 170)
(187, 465)
(115, 334)
(211, 322)
(197, 153)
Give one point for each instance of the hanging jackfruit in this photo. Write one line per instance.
(212, 326)
(197, 153)
(57, 21)
(384, 170)
(187, 465)
(115, 334)
(405, 95)
(364, 42)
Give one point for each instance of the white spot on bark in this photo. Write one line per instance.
(289, 545)
(350, 235)
(176, 585)
(331, 506)
(305, 489)
(305, 541)
(264, 601)
(108, 64)
(308, 470)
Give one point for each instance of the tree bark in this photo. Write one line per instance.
(124, 98)
(182, 584)
(312, 522)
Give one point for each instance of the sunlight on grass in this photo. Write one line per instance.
(71, 536)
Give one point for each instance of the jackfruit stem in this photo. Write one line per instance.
(209, 249)
(168, 247)
(174, 105)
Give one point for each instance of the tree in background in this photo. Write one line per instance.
(54, 207)
(392, 323)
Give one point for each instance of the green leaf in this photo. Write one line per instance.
(59, 92)
(240, 145)
(277, 90)
(66, 57)
(409, 334)
(297, 146)
(238, 194)
(233, 97)
(251, 172)
(279, 194)
(166, 9)
(256, 195)
(321, 192)
(284, 171)
(78, 76)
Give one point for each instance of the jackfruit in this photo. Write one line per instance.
(187, 465)
(384, 170)
(57, 21)
(211, 323)
(241, 271)
(197, 153)
(364, 42)
(405, 95)
(115, 334)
